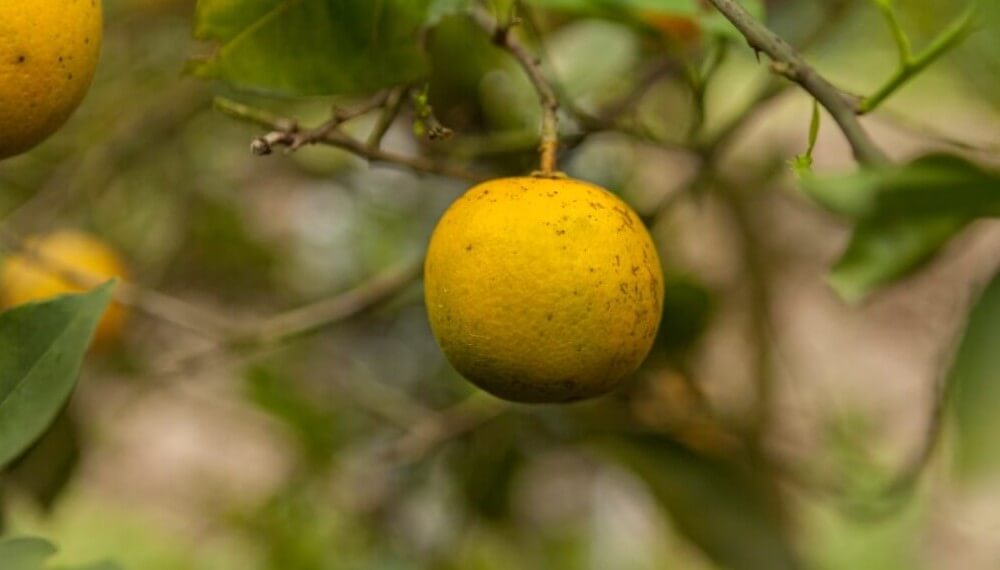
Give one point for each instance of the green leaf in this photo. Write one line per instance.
(932, 184)
(311, 47)
(42, 346)
(729, 511)
(47, 467)
(974, 384)
(687, 308)
(884, 250)
(24, 553)
(903, 215)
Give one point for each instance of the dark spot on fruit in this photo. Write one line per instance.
(21, 58)
(626, 217)
(635, 270)
(560, 232)
(468, 247)
(549, 316)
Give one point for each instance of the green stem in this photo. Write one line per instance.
(902, 42)
(792, 65)
(910, 67)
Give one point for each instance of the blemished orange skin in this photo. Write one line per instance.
(45, 273)
(543, 289)
(48, 55)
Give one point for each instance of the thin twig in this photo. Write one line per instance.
(284, 326)
(910, 66)
(84, 173)
(443, 426)
(387, 117)
(158, 305)
(503, 38)
(311, 317)
(756, 271)
(788, 62)
(286, 132)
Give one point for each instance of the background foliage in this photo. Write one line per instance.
(779, 423)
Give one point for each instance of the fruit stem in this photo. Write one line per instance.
(548, 151)
(502, 38)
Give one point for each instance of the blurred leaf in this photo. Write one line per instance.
(802, 164)
(861, 526)
(637, 12)
(24, 553)
(46, 468)
(105, 565)
(592, 58)
(41, 349)
(311, 47)
(978, 57)
(485, 465)
(930, 185)
(729, 511)
(974, 384)
(882, 251)
(838, 541)
(439, 9)
(904, 214)
(279, 395)
(221, 252)
(28, 553)
(687, 306)
(295, 529)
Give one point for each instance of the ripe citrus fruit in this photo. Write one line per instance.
(543, 289)
(48, 53)
(45, 272)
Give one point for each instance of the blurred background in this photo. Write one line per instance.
(781, 413)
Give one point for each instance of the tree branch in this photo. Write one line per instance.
(152, 303)
(788, 62)
(286, 132)
(443, 426)
(278, 328)
(502, 37)
(311, 317)
(386, 118)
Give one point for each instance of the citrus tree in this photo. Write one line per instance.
(479, 282)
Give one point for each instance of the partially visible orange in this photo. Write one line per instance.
(50, 267)
(48, 54)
